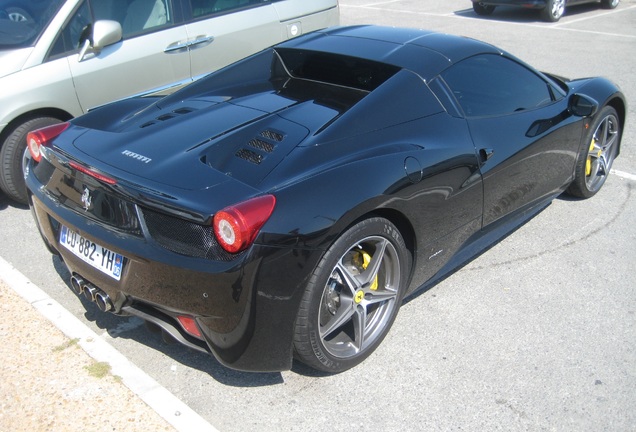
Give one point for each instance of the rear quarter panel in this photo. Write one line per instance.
(426, 181)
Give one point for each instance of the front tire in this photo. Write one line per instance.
(353, 297)
(12, 154)
(554, 10)
(597, 154)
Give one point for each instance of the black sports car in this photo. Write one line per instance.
(551, 10)
(285, 205)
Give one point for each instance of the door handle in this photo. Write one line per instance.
(185, 45)
(200, 40)
(176, 46)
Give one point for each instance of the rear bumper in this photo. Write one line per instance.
(244, 309)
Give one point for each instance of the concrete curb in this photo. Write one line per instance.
(164, 403)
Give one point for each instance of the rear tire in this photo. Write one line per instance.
(609, 4)
(553, 10)
(482, 9)
(12, 155)
(352, 297)
(598, 150)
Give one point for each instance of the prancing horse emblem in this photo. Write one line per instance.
(86, 199)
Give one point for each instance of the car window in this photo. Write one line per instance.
(146, 15)
(136, 17)
(489, 85)
(69, 39)
(23, 21)
(204, 8)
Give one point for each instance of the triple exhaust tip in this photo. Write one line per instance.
(92, 293)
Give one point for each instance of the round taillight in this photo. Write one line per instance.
(237, 226)
(42, 137)
(34, 147)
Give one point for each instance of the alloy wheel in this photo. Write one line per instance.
(601, 152)
(555, 10)
(360, 297)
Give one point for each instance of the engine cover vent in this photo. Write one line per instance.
(261, 145)
(274, 136)
(250, 156)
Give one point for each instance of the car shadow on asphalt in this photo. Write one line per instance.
(475, 248)
(5, 202)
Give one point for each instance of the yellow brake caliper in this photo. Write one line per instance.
(588, 162)
(366, 259)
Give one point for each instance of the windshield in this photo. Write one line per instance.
(23, 21)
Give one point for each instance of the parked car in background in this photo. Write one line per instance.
(21, 10)
(59, 58)
(551, 10)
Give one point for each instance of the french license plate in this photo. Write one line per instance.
(97, 256)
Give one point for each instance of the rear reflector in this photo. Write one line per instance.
(189, 324)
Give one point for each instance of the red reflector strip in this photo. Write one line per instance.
(189, 325)
(93, 174)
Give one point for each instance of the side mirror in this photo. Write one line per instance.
(582, 106)
(104, 33)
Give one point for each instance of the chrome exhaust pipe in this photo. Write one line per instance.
(90, 291)
(103, 301)
(77, 283)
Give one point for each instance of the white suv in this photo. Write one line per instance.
(58, 58)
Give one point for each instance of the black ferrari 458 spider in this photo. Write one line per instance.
(284, 206)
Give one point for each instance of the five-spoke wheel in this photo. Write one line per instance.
(598, 153)
(353, 296)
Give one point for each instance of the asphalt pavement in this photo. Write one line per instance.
(538, 333)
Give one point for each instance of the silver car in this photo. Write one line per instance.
(59, 58)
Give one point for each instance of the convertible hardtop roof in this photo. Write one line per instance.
(426, 53)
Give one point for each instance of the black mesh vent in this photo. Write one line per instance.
(274, 136)
(185, 238)
(261, 145)
(176, 113)
(250, 156)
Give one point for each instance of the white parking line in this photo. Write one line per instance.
(597, 15)
(167, 405)
(624, 175)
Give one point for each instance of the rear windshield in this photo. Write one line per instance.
(336, 69)
(23, 21)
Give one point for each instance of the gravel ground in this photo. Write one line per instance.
(50, 384)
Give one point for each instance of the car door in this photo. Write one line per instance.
(521, 127)
(221, 32)
(139, 62)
